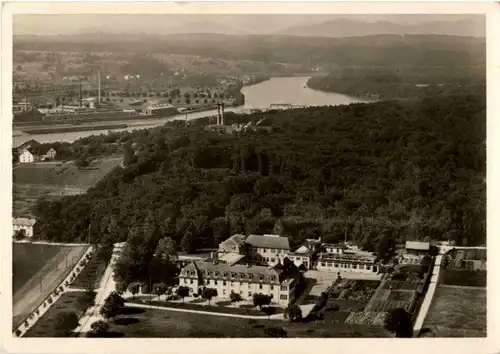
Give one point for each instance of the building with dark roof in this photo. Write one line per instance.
(243, 279)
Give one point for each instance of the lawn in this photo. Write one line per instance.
(457, 312)
(44, 327)
(214, 307)
(145, 323)
(37, 271)
(464, 277)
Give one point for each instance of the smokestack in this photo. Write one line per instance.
(80, 95)
(99, 85)
(218, 113)
(222, 115)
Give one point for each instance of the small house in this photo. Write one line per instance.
(25, 224)
(26, 156)
(49, 155)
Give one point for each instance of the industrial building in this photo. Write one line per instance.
(161, 110)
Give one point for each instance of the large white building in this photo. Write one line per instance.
(340, 258)
(243, 279)
(25, 224)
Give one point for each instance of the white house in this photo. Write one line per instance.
(25, 224)
(49, 155)
(267, 249)
(26, 156)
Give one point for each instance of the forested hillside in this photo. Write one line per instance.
(403, 82)
(408, 169)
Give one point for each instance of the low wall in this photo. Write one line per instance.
(52, 298)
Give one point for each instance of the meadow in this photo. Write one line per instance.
(456, 312)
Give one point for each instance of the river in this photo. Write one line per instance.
(278, 90)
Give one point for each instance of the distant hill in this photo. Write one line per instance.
(352, 28)
(378, 50)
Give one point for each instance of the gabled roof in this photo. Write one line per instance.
(28, 150)
(23, 221)
(237, 239)
(268, 241)
(416, 245)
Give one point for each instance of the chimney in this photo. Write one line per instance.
(218, 113)
(222, 114)
(80, 95)
(99, 85)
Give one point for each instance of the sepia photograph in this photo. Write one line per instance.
(249, 175)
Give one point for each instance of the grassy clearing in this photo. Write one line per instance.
(457, 312)
(145, 323)
(464, 277)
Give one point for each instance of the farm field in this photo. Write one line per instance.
(38, 269)
(456, 312)
(146, 323)
(63, 174)
(54, 180)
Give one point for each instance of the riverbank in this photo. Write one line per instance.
(261, 96)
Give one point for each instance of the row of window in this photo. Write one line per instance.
(346, 265)
(233, 275)
(270, 250)
(224, 283)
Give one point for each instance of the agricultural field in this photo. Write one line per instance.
(54, 180)
(390, 295)
(456, 312)
(37, 270)
(350, 294)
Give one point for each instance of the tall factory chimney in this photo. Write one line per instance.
(80, 94)
(222, 114)
(218, 113)
(99, 85)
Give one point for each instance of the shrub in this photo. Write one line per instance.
(276, 332)
(50, 300)
(18, 333)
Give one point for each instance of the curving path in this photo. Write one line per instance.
(273, 317)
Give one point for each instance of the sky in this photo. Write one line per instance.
(178, 23)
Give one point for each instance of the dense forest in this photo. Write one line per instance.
(402, 82)
(379, 50)
(401, 169)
